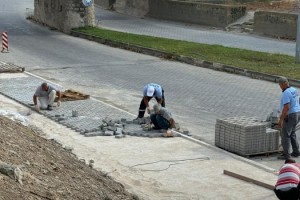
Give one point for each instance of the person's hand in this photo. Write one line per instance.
(169, 133)
(37, 108)
(58, 103)
(148, 110)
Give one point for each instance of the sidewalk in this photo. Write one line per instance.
(190, 32)
(152, 168)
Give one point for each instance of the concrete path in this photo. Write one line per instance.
(189, 32)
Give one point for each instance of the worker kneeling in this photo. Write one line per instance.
(162, 119)
(287, 186)
(46, 94)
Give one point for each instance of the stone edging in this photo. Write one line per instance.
(184, 59)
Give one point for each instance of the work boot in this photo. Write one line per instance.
(295, 154)
(49, 107)
(283, 157)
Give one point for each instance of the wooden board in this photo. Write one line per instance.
(247, 179)
(72, 95)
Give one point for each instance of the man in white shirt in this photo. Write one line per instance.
(46, 94)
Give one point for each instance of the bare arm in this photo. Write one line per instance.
(58, 93)
(172, 123)
(146, 101)
(284, 112)
(160, 101)
(34, 99)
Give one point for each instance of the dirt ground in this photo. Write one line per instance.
(32, 167)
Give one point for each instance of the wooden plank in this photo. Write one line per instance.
(247, 179)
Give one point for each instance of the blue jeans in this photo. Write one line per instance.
(288, 134)
(159, 122)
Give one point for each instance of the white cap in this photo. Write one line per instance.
(150, 91)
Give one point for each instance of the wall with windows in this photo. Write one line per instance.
(63, 14)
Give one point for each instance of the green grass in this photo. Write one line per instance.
(275, 64)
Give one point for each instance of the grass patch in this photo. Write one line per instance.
(275, 64)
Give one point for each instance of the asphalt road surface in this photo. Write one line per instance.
(196, 96)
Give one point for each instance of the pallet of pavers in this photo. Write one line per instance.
(246, 136)
(10, 68)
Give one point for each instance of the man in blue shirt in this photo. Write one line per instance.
(290, 116)
(151, 90)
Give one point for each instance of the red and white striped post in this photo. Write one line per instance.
(4, 41)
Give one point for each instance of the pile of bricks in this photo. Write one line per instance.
(246, 136)
(140, 127)
(10, 68)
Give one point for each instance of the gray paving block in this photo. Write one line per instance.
(119, 136)
(243, 135)
(93, 134)
(119, 131)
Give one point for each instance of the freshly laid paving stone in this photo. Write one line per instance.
(93, 134)
(90, 122)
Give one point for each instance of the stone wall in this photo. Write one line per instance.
(226, 1)
(276, 24)
(218, 15)
(132, 7)
(63, 14)
(129, 7)
(105, 3)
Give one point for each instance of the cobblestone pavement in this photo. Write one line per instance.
(90, 112)
(195, 96)
(193, 33)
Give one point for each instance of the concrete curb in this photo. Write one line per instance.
(243, 159)
(184, 59)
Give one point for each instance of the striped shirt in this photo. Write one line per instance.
(288, 176)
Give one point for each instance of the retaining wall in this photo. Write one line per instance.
(226, 1)
(276, 24)
(218, 15)
(105, 3)
(63, 14)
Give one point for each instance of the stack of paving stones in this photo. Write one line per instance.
(7, 67)
(246, 136)
(89, 119)
(120, 128)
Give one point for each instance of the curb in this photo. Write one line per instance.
(184, 59)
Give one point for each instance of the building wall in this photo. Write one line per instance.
(63, 14)
(276, 24)
(218, 15)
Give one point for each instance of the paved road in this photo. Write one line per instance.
(193, 33)
(196, 96)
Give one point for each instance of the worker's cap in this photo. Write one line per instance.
(150, 91)
(282, 79)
